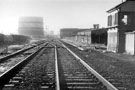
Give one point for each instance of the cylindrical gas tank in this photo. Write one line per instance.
(31, 26)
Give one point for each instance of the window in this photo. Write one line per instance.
(110, 20)
(126, 19)
(116, 18)
(113, 19)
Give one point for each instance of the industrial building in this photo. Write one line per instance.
(31, 26)
(86, 36)
(69, 33)
(92, 36)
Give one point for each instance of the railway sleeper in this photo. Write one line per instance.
(8, 86)
(79, 80)
(81, 88)
(87, 86)
(121, 88)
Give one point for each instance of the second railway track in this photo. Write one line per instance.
(13, 65)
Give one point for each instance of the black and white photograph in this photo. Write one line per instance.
(67, 44)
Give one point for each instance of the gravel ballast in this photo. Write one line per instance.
(111, 65)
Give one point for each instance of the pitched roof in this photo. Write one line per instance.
(117, 7)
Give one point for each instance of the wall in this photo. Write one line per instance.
(129, 6)
(130, 43)
(112, 44)
(68, 32)
(125, 25)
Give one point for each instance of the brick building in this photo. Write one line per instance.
(68, 32)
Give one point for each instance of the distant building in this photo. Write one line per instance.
(121, 19)
(92, 36)
(68, 32)
(84, 36)
(31, 26)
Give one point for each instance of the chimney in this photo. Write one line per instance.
(96, 26)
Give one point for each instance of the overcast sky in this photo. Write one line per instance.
(57, 13)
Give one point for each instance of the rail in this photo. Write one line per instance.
(4, 78)
(102, 79)
(56, 70)
(18, 52)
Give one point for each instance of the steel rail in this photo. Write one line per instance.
(18, 52)
(56, 70)
(14, 69)
(15, 53)
(101, 78)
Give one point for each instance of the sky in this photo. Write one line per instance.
(56, 13)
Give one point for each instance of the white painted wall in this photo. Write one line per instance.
(112, 44)
(130, 43)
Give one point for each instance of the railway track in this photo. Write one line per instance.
(55, 67)
(75, 75)
(2, 59)
(12, 64)
(114, 81)
(9, 61)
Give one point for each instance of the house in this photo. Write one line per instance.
(121, 19)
